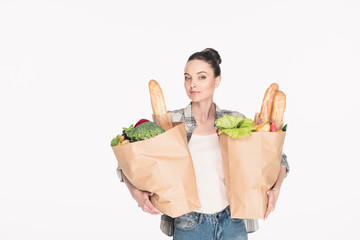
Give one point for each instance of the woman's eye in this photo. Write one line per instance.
(203, 77)
(187, 78)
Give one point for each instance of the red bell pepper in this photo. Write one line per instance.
(272, 127)
(140, 122)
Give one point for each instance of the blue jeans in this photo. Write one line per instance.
(218, 226)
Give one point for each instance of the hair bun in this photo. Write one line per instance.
(214, 54)
(211, 56)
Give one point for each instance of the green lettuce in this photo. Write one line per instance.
(235, 126)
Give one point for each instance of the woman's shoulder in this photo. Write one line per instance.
(177, 115)
(232, 113)
(181, 111)
(220, 112)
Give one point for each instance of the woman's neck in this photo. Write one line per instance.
(203, 111)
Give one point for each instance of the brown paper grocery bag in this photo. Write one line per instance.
(162, 165)
(251, 167)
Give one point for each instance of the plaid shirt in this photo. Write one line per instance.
(185, 115)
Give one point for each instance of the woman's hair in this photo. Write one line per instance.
(211, 56)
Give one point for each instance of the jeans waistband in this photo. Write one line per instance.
(225, 212)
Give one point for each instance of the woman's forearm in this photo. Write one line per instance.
(280, 178)
(127, 182)
(141, 197)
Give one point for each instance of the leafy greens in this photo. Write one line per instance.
(235, 126)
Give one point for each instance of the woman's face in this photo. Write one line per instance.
(200, 81)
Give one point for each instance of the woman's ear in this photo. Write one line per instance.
(217, 81)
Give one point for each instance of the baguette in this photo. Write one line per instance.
(279, 106)
(157, 98)
(267, 104)
(160, 116)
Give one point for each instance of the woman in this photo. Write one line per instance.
(212, 221)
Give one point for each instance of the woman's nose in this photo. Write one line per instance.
(193, 84)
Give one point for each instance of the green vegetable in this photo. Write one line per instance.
(143, 131)
(284, 128)
(115, 141)
(126, 130)
(234, 126)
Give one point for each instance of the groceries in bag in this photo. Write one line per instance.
(156, 159)
(251, 153)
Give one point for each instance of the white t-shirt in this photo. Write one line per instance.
(207, 160)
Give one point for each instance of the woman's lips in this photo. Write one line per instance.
(194, 92)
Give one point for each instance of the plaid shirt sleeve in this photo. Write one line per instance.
(118, 172)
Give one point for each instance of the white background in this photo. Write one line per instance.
(73, 73)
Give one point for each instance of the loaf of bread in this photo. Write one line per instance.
(267, 104)
(160, 115)
(157, 98)
(279, 106)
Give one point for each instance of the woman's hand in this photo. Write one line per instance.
(141, 197)
(274, 192)
(143, 200)
(273, 195)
